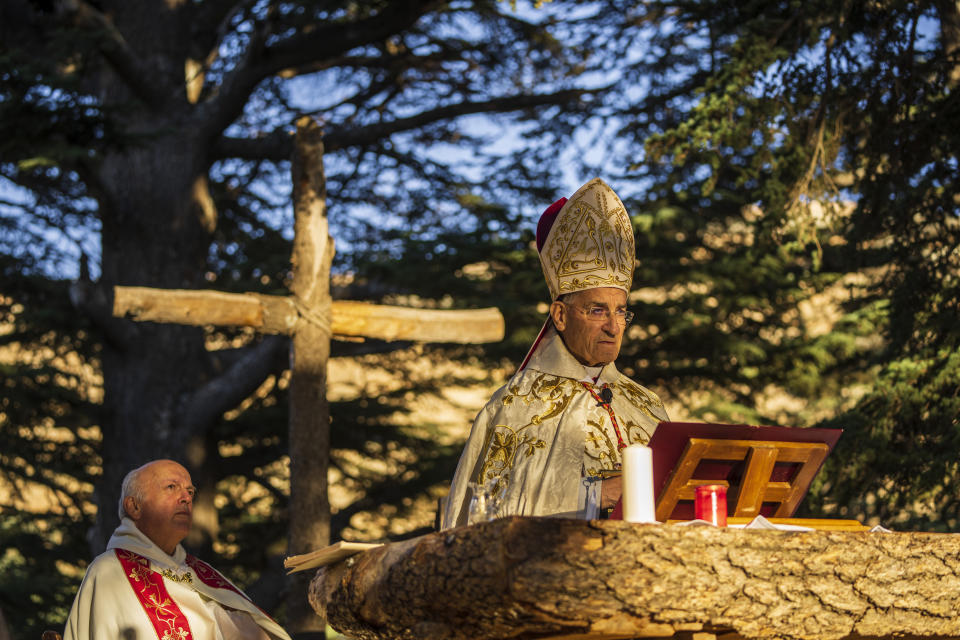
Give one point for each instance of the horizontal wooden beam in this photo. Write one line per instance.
(282, 315)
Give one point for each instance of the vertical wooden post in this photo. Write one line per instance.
(309, 410)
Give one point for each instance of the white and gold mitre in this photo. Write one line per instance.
(590, 243)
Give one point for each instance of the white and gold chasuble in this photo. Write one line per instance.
(135, 590)
(543, 432)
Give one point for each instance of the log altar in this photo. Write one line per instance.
(525, 578)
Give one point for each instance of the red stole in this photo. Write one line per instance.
(212, 578)
(168, 621)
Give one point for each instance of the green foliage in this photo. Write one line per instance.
(39, 575)
(829, 121)
(790, 169)
(48, 451)
(796, 232)
(896, 463)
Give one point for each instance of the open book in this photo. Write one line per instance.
(328, 555)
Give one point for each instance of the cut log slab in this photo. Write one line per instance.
(540, 578)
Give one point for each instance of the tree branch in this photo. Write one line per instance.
(240, 380)
(278, 145)
(114, 49)
(210, 21)
(316, 44)
(337, 38)
(96, 302)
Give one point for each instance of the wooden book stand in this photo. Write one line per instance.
(766, 469)
(757, 485)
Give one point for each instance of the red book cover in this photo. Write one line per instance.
(670, 439)
(617, 513)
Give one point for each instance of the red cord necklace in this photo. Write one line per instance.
(621, 445)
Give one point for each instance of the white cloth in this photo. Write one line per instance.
(543, 433)
(108, 608)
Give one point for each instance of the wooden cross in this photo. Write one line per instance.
(311, 319)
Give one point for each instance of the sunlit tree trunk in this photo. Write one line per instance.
(309, 410)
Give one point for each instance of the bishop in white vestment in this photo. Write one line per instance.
(544, 438)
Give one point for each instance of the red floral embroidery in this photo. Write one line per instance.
(212, 578)
(168, 621)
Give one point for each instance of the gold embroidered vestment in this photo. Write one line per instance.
(543, 432)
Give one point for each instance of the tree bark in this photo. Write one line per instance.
(4, 630)
(153, 235)
(949, 12)
(157, 219)
(542, 577)
(309, 409)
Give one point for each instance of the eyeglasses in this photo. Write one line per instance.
(602, 314)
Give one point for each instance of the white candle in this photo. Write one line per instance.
(638, 484)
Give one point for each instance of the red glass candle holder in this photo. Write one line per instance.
(710, 504)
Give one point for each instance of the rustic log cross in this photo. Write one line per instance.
(310, 318)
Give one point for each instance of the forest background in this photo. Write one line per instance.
(790, 169)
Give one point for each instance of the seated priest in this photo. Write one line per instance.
(543, 440)
(146, 586)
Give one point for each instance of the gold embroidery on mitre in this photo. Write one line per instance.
(590, 244)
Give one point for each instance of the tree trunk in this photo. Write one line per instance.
(543, 577)
(949, 11)
(309, 410)
(150, 238)
(4, 630)
(158, 220)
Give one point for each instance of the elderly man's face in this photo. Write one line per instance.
(166, 512)
(588, 322)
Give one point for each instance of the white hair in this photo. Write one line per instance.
(130, 488)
